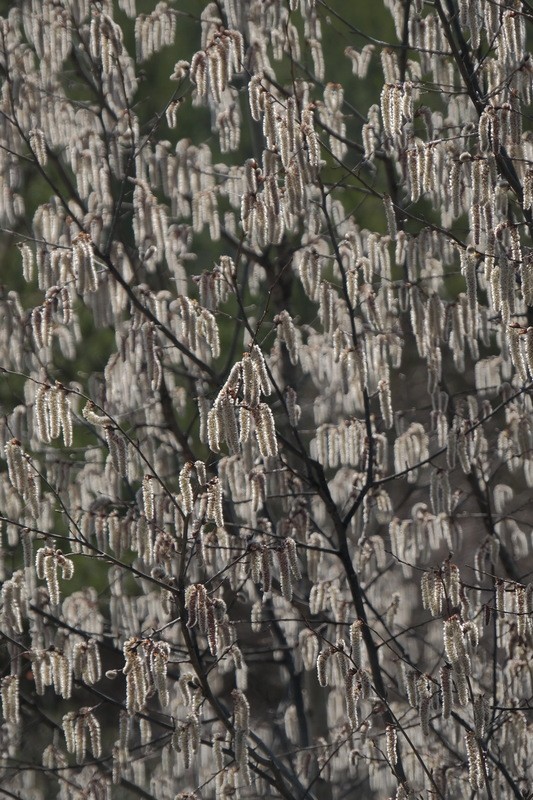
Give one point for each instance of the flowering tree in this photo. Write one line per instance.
(278, 542)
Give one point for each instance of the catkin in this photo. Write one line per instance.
(390, 216)
(391, 744)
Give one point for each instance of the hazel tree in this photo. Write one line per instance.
(274, 538)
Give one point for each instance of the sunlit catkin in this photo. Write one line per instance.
(9, 691)
(136, 677)
(390, 216)
(446, 690)
(187, 496)
(321, 664)
(475, 763)
(481, 715)
(391, 744)
(356, 638)
(148, 497)
(424, 698)
(265, 431)
(38, 145)
(241, 712)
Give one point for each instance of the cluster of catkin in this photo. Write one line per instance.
(209, 616)
(52, 414)
(237, 410)
(23, 475)
(212, 68)
(154, 31)
(76, 726)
